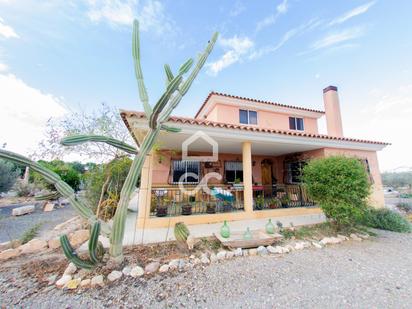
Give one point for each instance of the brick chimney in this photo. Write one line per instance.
(332, 111)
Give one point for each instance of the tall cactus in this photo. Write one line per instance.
(176, 88)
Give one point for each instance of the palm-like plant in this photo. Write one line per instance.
(157, 116)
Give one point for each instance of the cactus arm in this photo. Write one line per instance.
(184, 87)
(169, 74)
(170, 129)
(80, 139)
(63, 188)
(185, 67)
(164, 99)
(94, 244)
(72, 256)
(50, 196)
(138, 69)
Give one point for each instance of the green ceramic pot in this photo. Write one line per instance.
(247, 235)
(270, 228)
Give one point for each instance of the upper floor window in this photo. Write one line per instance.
(247, 116)
(296, 123)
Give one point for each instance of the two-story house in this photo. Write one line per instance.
(260, 148)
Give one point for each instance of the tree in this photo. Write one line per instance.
(105, 121)
(8, 175)
(340, 185)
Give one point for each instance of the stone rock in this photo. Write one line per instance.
(34, 245)
(151, 267)
(196, 261)
(5, 245)
(363, 236)
(54, 243)
(9, 254)
(174, 264)
(182, 264)
(238, 252)
(301, 245)
(204, 259)
(317, 245)
(252, 252)
(97, 281)
(330, 240)
(126, 271)
(52, 279)
(277, 250)
(48, 207)
(73, 284)
(19, 211)
(15, 243)
(81, 274)
(164, 268)
(191, 241)
(85, 283)
(230, 254)
(114, 275)
(70, 269)
(288, 248)
(213, 258)
(245, 252)
(137, 271)
(63, 281)
(79, 237)
(261, 250)
(343, 237)
(221, 255)
(355, 237)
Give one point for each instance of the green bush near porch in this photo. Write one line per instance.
(340, 186)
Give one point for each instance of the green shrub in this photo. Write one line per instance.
(340, 186)
(386, 219)
(406, 207)
(30, 233)
(8, 175)
(67, 171)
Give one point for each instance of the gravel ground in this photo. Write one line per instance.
(14, 227)
(375, 273)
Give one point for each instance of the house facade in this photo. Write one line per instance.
(241, 159)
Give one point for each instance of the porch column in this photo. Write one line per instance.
(247, 176)
(145, 191)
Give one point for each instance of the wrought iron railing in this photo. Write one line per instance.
(172, 201)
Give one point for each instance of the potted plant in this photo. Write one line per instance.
(237, 184)
(187, 209)
(274, 203)
(161, 208)
(285, 201)
(260, 202)
(211, 208)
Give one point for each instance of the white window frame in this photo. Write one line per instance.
(295, 119)
(248, 117)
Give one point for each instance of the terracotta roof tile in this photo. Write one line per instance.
(201, 122)
(253, 100)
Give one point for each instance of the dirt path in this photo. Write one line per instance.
(374, 273)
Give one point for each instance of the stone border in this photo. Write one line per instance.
(71, 280)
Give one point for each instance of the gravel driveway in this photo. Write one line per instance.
(375, 273)
(14, 227)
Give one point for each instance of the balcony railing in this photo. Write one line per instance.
(172, 201)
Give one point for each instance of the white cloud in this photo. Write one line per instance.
(385, 115)
(150, 14)
(237, 9)
(313, 23)
(3, 67)
(236, 47)
(352, 13)
(338, 37)
(24, 113)
(6, 30)
(282, 8)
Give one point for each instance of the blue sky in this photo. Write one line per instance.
(64, 55)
